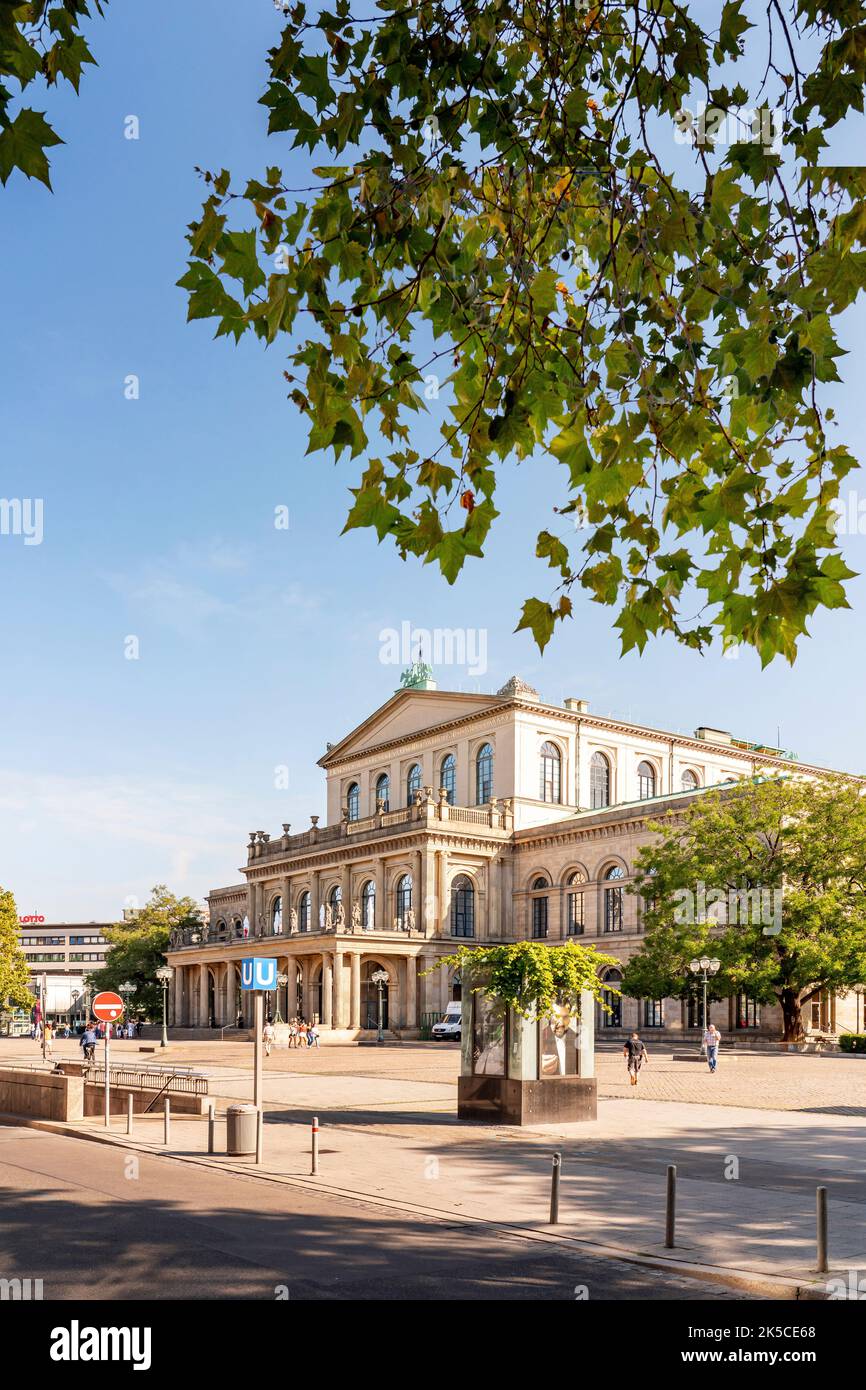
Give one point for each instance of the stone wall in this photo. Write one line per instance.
(41, 1095)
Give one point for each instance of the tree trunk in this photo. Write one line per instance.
(792, 1016)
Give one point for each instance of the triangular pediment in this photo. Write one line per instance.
(408, 713)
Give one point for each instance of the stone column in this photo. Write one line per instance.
(327, 989)
(202, 1020)
(231, 991)
(347, 894)
(286, 895)
(441, 893)
(492, 923)
(355, 1003)
(411, 1019)
(315, 897)
(382, 910)
(255, 926)
(175, 998)
(418, 887)
(340, 1020)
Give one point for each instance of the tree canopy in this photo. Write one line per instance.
(138, 947)
(37, 40)
(531, 976)
(14, 970)
(597, 233)
(770, 878)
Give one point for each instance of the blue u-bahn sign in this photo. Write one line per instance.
(259, 972)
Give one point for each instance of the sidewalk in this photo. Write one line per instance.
(746, 1178)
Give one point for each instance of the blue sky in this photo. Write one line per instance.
(256, 646)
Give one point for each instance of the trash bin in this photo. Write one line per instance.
(241, 1129)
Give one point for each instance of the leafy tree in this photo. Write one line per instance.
(770, 877)
(530, 976)
(40, 39)
(138, 947)
(14, 970)
(501, 229)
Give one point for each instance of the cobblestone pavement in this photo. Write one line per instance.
(828, 1084)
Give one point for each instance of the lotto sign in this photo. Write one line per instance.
(259, 972)
(107, 1006)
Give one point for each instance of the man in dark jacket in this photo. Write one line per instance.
(635, 1054)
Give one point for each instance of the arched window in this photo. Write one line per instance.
(277, 916)
(335, 897)
(304, 910)
(575, 918)
(448, 777)
(353, 801)
(551, 772)
(403, 901)
(539, 909)
(483, 775)
(368, 905)
(599, 781)
(413, 783)
(689, 780)
(613, 1001)
(613, 901)
(646, 781)
(462, 907)
(383, 792)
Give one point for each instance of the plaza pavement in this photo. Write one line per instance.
(747, 1172)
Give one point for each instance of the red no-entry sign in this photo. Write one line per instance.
(107, 1006)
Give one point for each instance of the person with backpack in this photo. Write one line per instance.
(88, 1043)
(635, 1054)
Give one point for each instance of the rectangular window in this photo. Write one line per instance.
(652, 1014)
(576, 922)
(613, 909)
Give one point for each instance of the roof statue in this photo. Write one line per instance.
(418, 676)
(516, 689)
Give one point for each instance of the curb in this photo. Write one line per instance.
(769, 1286)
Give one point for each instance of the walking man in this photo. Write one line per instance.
(269, 1032)
(635, 1054)
(712, 1038)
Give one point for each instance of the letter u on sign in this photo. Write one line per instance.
(259, 972)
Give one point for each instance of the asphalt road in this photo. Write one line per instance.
(97, 1222)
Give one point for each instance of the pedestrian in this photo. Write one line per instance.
(49, 1038)
(269, 1032)
(712, 1038)
(312, 1036)
(302, 1034)
(293, 1032)
(635, 1054)
(88, 1043)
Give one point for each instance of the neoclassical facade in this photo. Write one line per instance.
(456, 819)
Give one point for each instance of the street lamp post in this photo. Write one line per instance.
(705, 968)
(73, 1010)
(125, 990)
(164, 974)
(380, 979)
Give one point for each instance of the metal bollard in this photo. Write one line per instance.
(821, 1204)
(167, 1119)
(260, 1133)
(315, 1138)
(671, 1208)
(129, 1113)
(554, 1188)
(211, 1126)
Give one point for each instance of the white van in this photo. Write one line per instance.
(449, 1025)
